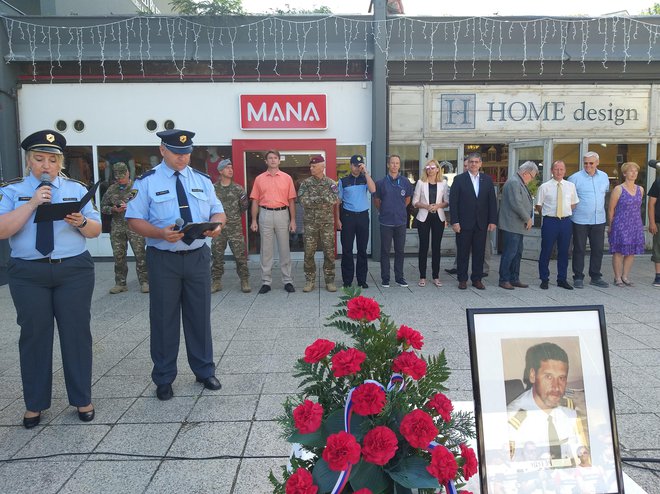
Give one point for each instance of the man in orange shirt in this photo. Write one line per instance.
(274, 216)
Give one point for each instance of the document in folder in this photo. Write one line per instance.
(54, 212)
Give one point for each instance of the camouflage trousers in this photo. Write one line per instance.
(234, 236)
(119, 238)
(320, 236)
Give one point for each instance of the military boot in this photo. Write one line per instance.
(330, 286)
(309, 286)
(118, 289)
(245, 286)
(216, 286)
(144, 287)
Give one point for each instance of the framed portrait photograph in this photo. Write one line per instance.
(543, 401)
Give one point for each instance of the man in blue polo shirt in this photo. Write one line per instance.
(353, 221)
(589, 220)
(393, 194)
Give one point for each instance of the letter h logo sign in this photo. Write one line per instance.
(457, 111)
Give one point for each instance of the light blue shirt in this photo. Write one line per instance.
(69, 241)
(354, 193)
(157, 203)
(591, 192)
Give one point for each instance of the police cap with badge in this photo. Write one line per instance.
(357, 160)
(45, 141)
(177, 141)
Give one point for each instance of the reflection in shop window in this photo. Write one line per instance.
(569, 153)
(78, 164)
(409, 161)
(494, 159)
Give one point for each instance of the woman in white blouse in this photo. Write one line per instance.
(430, 198)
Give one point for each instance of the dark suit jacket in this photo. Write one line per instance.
(466, 208)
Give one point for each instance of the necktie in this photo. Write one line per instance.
(560, 201)
(184, 209)
(45, 242)
(553, 440)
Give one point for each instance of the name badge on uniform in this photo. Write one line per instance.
(27, 198)
(69, 199)
(197, 190)
(162, 192)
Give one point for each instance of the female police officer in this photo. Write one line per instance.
(51, 276)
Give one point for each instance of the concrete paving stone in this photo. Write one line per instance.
(460, 379)
(292, 346)
(282, 382)
(11, 386)
(58, 439)
(104, 477)
(13, 414)
(625, 403)
(266, 440)
(108, 411)
(634, 430)
(641, 357)
(255, 333)
(139, 439)
(250, 347)
(618, 361)
(5, 402)
(646, 317)
(283, 363)
(270, 406)
(142, 350)
(253, 475)
(651, 340)
(184, 385)
(647, 400)
(224, 408)
(194, 477)
(460, 395)
(202, 440)
(624, 342)
(244, 364)
(152, 410)
(647, 480)
(14, 438)
(120, 386)
(238, 384)
(618, 318)
(27, 477)
(627, 377)
(138, 367)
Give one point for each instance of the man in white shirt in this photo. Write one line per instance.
(556, 200)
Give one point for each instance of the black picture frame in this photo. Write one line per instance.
(514, 444)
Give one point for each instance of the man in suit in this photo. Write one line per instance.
(515, 218)
(473, 210)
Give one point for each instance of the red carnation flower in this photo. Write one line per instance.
(347, 362)
(307, 417)
(470, 465)
(363, 309)
(443, 465)
(442, 406)
(410, 364)
(464, 492)
(379, 445)
(363, 491)
(318, 350)
(368, 399)
(341, 449)
(300, 483)
(418, 429)
(410, 337)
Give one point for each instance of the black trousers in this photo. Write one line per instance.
(44, 293)
(355, 227)
(596, 236)
(433, 227)
(474, 242)
(180, 286)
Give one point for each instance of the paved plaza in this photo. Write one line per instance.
(256, 339)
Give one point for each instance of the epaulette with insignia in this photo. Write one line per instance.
(74, 180)
(146, 174)
(200, 172)
(568, 403)
(517, 420)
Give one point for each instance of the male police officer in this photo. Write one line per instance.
(235, 202)
(114, 202)
(179, 266)
(318, 196)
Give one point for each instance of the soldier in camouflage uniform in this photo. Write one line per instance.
(114, 202)
(235, 201)
(318, 195)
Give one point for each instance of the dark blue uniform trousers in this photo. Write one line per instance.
(560, 231)
(470, 242)
(354, 227)
(180, 285)
(43, 293)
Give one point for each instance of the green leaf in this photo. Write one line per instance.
(334, 422)
(372, 476)
(411, 472)
(399, 489)
(313, 439)
(323, 477)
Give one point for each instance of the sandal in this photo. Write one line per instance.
(422, 282)
(619, 283)
(437, 282)
(627, 282)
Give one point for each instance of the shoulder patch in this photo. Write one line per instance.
(201, 173)
(146, 174)
(517, 420)
(74, 180)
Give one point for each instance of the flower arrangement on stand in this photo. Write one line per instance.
(372, 417)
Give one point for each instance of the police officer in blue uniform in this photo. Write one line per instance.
(51, 276)
(179, 267)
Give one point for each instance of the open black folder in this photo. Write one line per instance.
(194, 231)
(54, 212)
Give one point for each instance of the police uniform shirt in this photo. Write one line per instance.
(156, 202)
(392, 193)
(69, 241)
(354, 193)
(528, 423)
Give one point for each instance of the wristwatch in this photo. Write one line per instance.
(83, 224)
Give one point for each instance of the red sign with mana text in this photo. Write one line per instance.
(283, 111)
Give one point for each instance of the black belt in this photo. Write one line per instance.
(275, 209)
(558, 218)
(356, 213)
(51, 261)
(180, 252)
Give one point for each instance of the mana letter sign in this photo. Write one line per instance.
(283, 111)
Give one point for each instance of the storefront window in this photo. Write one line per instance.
(445, 156)
(409, 161)
(495, 159)
(344, 154)
(78, 164)
(569, 153)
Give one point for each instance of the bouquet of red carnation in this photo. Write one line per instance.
(372, 417)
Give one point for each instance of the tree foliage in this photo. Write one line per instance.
(288, 10)
(207, 7)
(655, 10)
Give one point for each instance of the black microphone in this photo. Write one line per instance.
(178, 223)
(45, 180)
